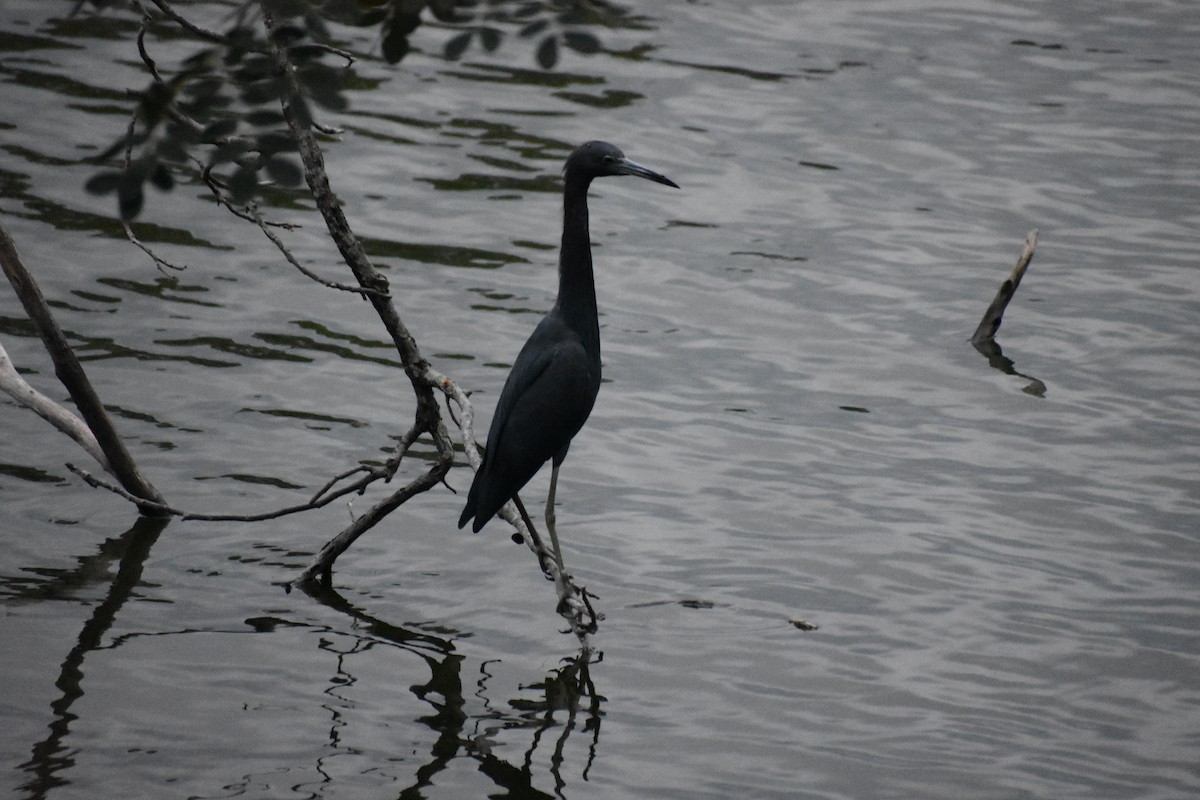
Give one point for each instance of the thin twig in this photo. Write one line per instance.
(320, 569)
(164, 508)
(332, 481)
(215, 186)
(187, 24)
(159, 261)
(406, 441)
(328, 130)
(337, 51)
(256, 218)
(141, 42)
(454, 393)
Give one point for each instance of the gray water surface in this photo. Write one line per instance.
(1003, 560)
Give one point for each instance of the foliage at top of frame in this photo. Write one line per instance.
(223, 99)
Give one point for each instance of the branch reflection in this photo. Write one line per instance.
(990, 349)
(51, 756)
(568, 689)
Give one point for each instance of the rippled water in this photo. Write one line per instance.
(1003, 565)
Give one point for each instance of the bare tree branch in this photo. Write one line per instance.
(70, 372)
(13, 384)
(215, 187)
(573, 600)
(427, 416)
(321, 499)
(984, 338)
(151, 67)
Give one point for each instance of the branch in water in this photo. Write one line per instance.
(995, 312)
(70, 372)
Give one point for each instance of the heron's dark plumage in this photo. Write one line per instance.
(553, 383)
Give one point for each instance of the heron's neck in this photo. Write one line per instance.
(576, 285)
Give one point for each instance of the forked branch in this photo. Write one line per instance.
(425, 380)
(70, 372)
(98, 436)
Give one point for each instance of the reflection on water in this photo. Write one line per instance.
(567, 691)
(52, 756)
(793, 424)
(991, 350)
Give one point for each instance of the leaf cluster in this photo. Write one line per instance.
(219, 109)
(553, 23)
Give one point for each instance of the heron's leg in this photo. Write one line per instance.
(550, 518)
(540, 549)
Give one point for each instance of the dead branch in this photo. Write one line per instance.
(995, 312)
(70, 372)
(321, 498)
(984, 338)
(427, 416)
(574, 603)
(13, 384)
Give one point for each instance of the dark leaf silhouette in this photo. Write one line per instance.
(395, 46)
(273, 142)
(103, 182)
(490, 38)
(581, 42)
(130, 196)
(264, 118)
(162, 178)
(457, 45)
(219, 104)
(534, 28)
(243, 185)
(284, 172)
(547, 52)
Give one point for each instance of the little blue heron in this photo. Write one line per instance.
(554, 381)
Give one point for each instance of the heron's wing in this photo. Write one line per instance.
(545, 401)
(540, 415)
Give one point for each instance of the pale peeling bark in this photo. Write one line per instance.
(60, 417)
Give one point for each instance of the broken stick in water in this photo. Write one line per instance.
(995, 313)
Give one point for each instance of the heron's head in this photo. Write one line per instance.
(600, 159)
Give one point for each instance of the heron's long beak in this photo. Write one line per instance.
(627, 167)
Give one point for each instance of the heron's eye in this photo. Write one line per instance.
(609, 159)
